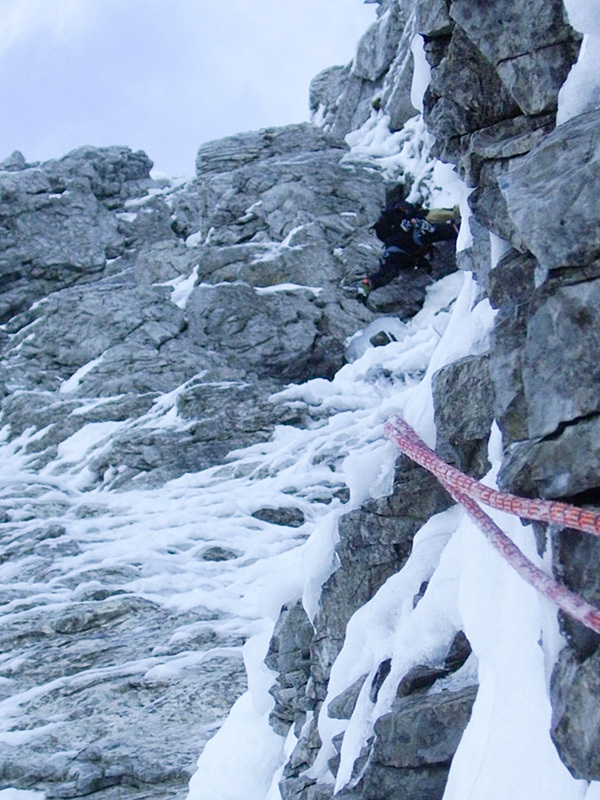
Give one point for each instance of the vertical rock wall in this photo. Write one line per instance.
(491, 105)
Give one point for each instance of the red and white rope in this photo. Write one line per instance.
(466, 491)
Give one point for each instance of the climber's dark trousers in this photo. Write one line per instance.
(391, 264)
(394, 260)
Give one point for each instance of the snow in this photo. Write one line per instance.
(127, 216)
(196, 239)
(581, 90)
(72, 384)
(274, 250)
(288, 287)
(182, 287)
(506, 751)
(421, 75)
(20, 794)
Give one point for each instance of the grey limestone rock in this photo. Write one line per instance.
(560, 390)
(342, 98)
(113, 174)
(396, 96)
(55, 222)
(326, 88)
(271, 336)
(576, 717)
(289, 657)
(342, 706)
(413, 747)
(377, 48)
(375, 542)
(465, 92)
(292, 517)
(278, 207)
(122, 293)
(463, 399)
(532, 60)
(503, 141)
(433, 18)
(14, 163)
(510, 287)
(566, 464)
(478, 257)
(557, 218)
(232, 152)
(95, 703)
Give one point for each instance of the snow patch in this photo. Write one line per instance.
(421, 74)
(21, 794)
(288, 287)
(72, 384)
(581, 90)
(182, 287)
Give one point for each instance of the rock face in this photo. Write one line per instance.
(380, 77)
(143, 288)
(121, 294)
(152, 321)
(414, 745)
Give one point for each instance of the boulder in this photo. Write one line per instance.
(551, 195)
(463, 398)
(532, 60)
(413, 747)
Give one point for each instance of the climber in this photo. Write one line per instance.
(408, 233)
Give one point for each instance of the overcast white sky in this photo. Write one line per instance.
(162, 75)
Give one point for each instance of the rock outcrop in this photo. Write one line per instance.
(133, 289)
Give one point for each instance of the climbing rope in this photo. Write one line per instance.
(552, 511)
(466, 491)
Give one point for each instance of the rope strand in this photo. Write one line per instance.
(553, 511)
(466, 491)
